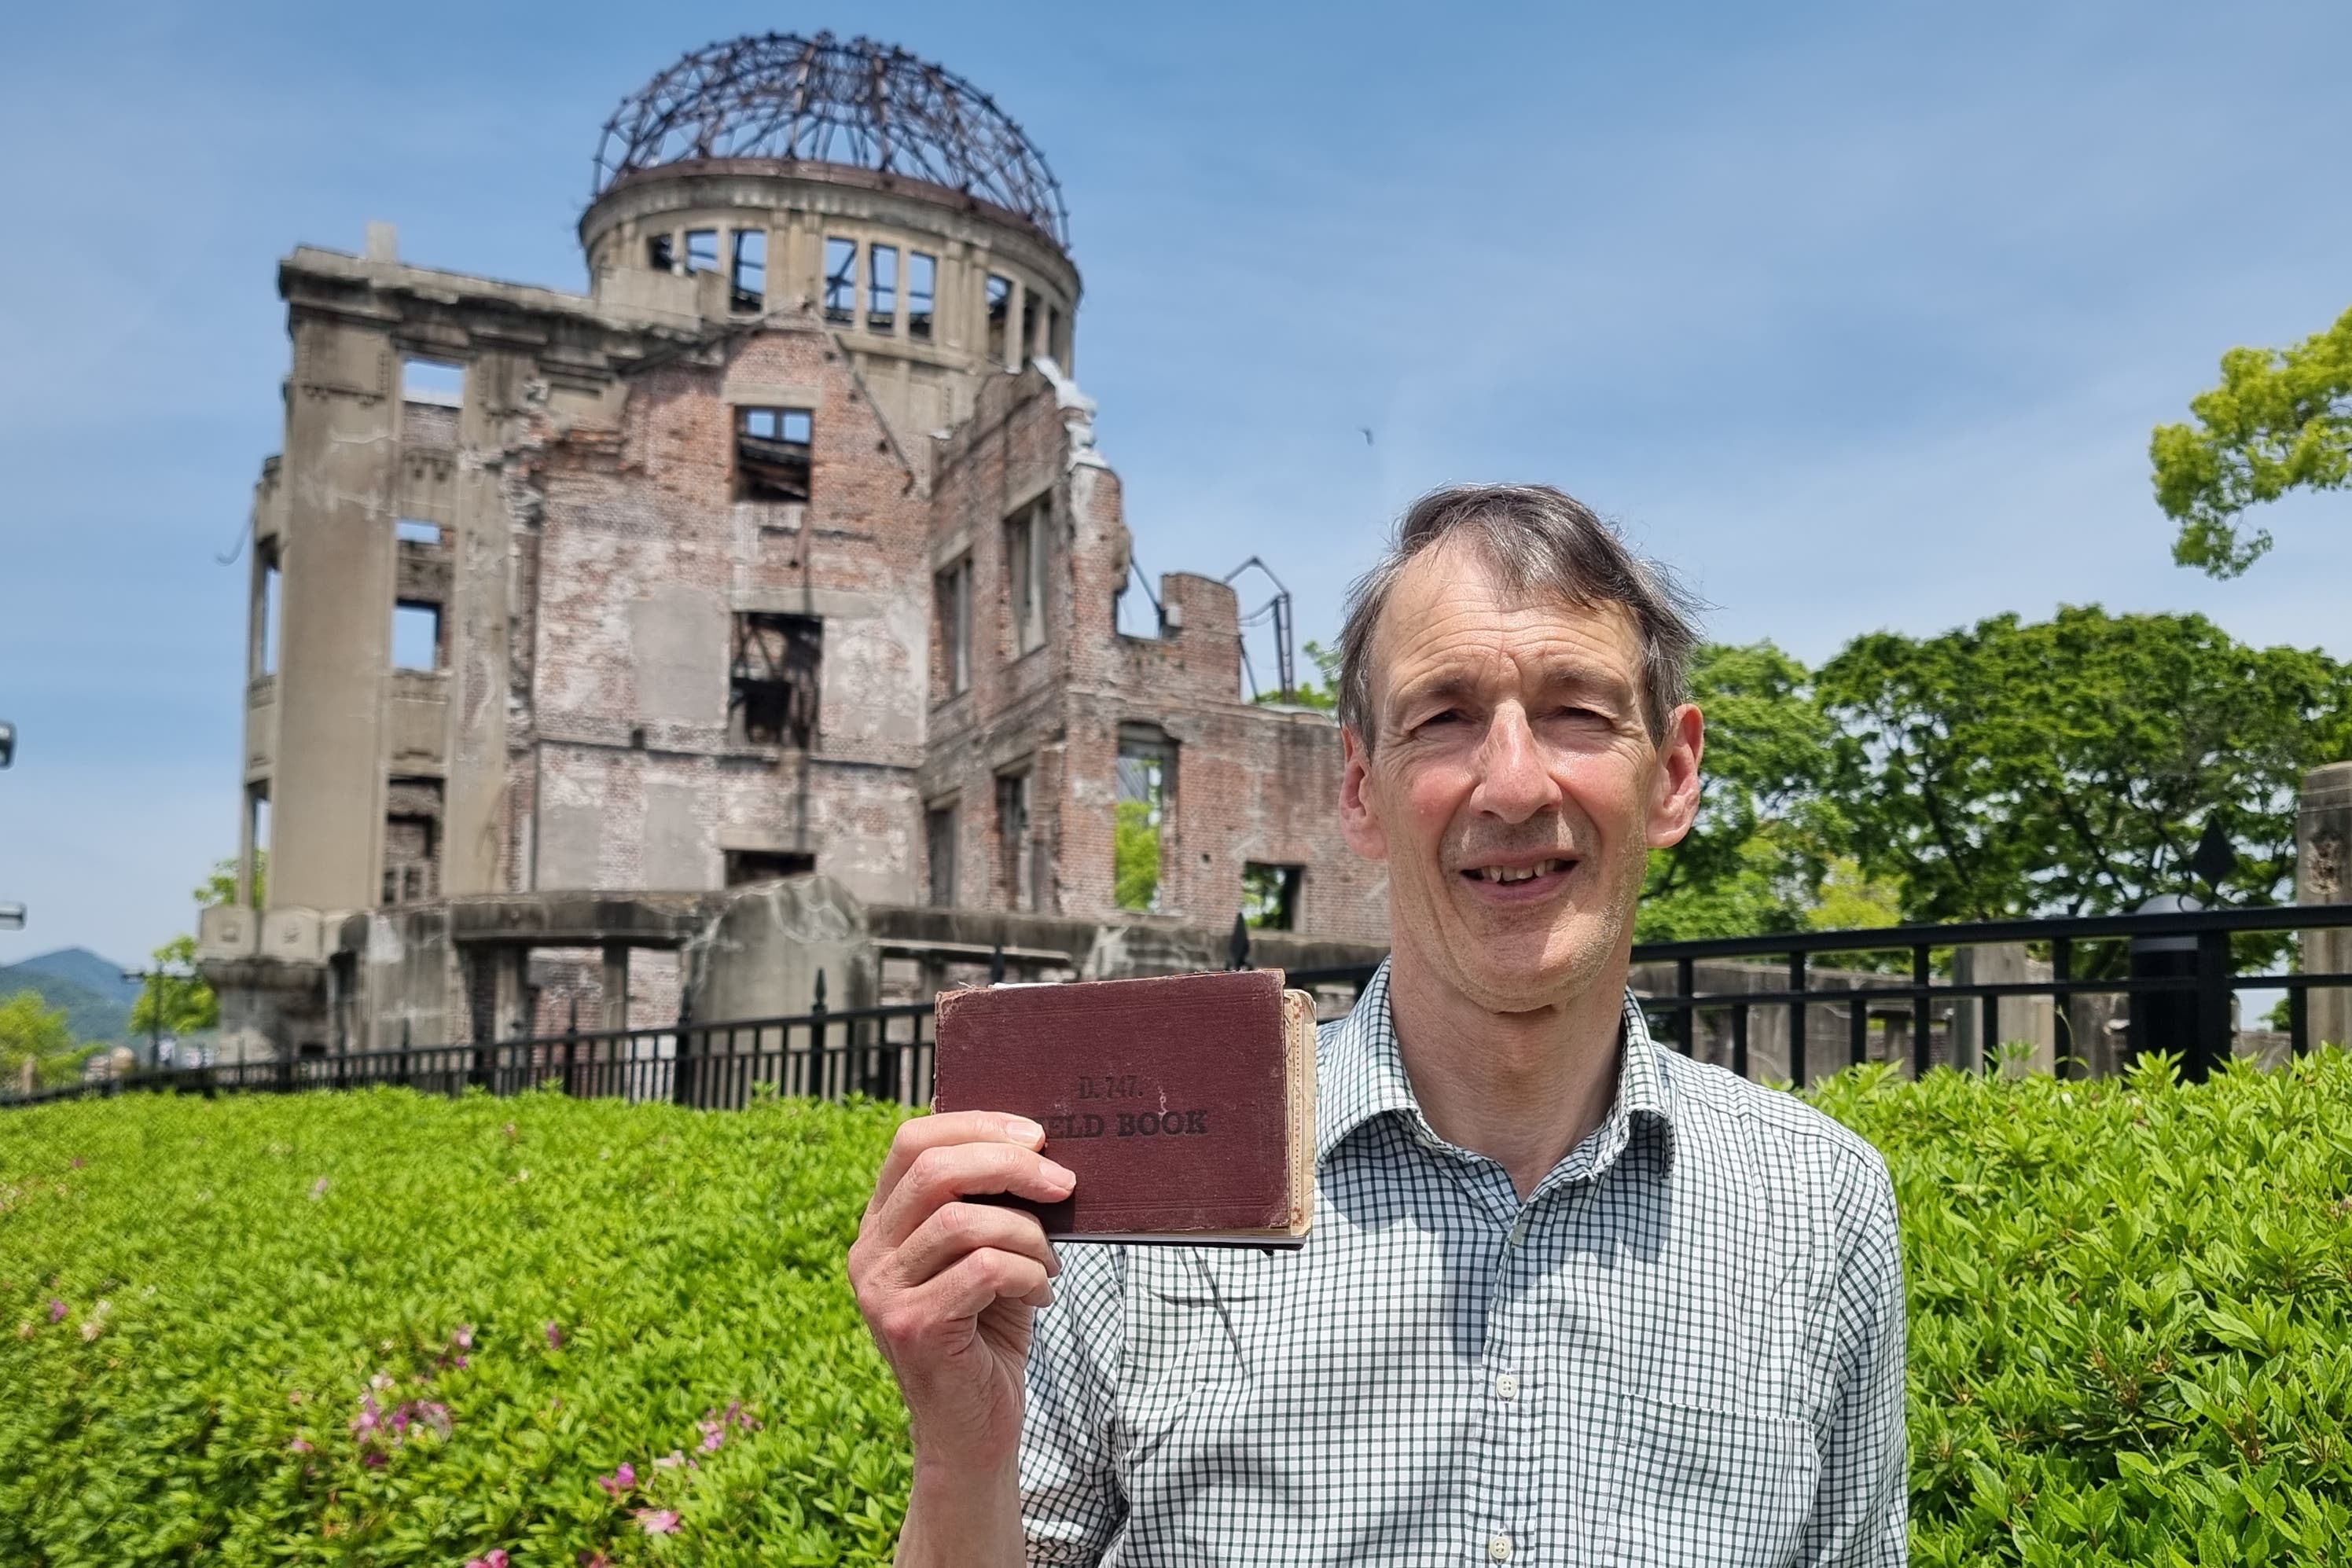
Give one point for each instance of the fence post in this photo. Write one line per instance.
(2213, 966)
(1797, 1021)
(819, 1073)
(681, 1089)
(404, 1024)
(2062, 1008)
(1922, 976)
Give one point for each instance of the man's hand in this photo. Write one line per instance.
(950, 1288)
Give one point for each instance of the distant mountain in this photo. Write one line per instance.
(96, 999)
(99, 976)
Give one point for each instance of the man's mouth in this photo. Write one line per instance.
(1506, 874)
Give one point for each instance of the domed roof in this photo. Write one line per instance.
(860, 104)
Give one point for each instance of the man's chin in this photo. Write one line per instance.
(1525, 970)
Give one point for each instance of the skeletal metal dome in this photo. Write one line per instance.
(786, 99)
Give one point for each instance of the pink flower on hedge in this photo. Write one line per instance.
(671, 1461)
(657, 1521)
(301, 1446)
(594, 1559)
(57, 1310)
(496, 1557)
(713, 1437)
(554, 1336)
(620, 1480)
(463, 1338)
(370, 1420)
(319, 1189)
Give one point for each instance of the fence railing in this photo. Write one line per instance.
(2177, 975)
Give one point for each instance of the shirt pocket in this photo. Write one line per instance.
(1699, 1486)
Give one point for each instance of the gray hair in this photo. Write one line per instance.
(1540, 541)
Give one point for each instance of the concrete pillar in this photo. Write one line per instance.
(616, 984)
(335, 618)
(475, 625)
(509, 966)
(2028, 1020)
(2323, 832)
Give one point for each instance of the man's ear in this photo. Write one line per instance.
(1357, 819)
(1673, 797)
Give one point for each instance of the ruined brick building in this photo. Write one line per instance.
(784, 549)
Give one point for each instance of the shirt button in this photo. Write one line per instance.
(1507, 1386)
(1498, 1547)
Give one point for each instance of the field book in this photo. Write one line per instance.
(1184, 1103)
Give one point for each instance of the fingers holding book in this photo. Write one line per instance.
(948, 1286)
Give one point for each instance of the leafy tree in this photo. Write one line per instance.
(2281, 419)
(1308, 694)
(31, 1032)
(1135, 854)
(2069, 765)
(178, 1001)
(1756, 857)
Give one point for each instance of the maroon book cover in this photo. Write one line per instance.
(1167, 1096)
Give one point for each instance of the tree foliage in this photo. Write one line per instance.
(32, 1032)
(176, 1001)
(1310, 693)
(2004, 770)
(2280, 420)
(1755, 859)
(2067, 767)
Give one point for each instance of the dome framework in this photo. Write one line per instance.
(862, 104)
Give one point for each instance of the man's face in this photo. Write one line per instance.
(1511, 785)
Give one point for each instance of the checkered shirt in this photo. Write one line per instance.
(1685, 1347)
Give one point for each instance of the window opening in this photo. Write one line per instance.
(771, 454)
(955, 625)
(430, 380)
(1012, 840)
(1029, 345)
(922, 287)
(415, 635)
(939, 852)
(256, 837)
(412, 841)
(1147, 769)
(661, 253)
(701, 250)
(772, 691)
(1270, 896)
(882, 288)
(747, 276)
(1000, 307)
(841, 281)
(747, 866)
(1053, 335)
(416, 531)
(266, 635)
(1024, 564)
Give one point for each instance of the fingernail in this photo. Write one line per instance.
(1061, 1174)
(1021, 1130)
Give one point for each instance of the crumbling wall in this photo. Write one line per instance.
(648, 561)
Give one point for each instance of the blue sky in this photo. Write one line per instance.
(1860, 315)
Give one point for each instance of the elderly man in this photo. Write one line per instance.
(1570, 1297)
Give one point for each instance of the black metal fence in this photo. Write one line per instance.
(827, 1054)
(2174, 970)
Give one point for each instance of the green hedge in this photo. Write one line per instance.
(2131, 1312)
(318, 1329)
(261, 1261)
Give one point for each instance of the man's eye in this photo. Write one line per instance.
(1447, 716)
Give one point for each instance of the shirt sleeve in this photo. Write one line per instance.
(1072, 1506)
(1862, 1509)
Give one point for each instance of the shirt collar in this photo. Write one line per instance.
(1360, 1073)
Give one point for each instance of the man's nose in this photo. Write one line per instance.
(1513, 782)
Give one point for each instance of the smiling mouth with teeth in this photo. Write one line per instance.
(1520, 873)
